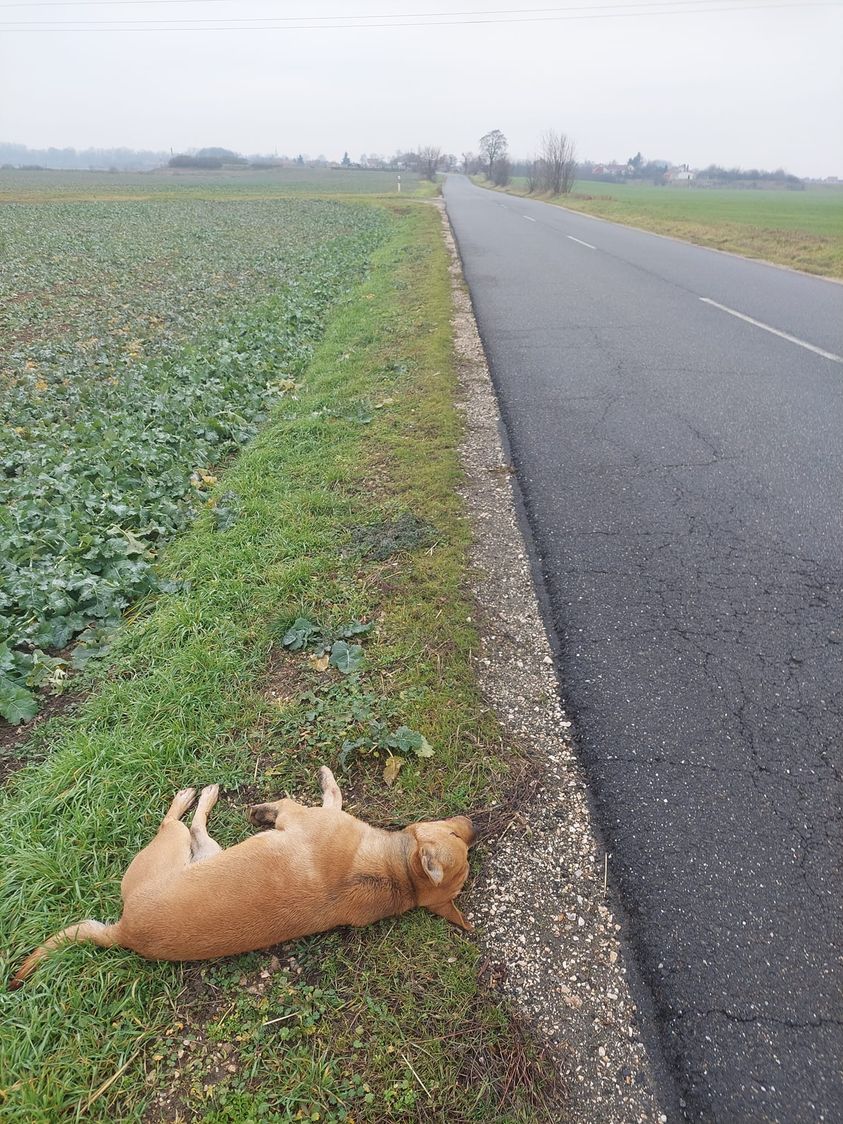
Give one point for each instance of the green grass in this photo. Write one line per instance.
(386, 1023)
(800, 229)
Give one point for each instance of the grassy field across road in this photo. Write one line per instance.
(800, 229)
(336, 528)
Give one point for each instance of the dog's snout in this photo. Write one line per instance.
(464, 828)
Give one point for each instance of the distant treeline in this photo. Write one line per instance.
(748, 176)
(134, 160)
(85, 159)
(641, 170)
(208, 158)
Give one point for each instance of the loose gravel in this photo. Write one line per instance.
(542, 901)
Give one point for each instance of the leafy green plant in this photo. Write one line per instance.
(346, 657)
(344, 719)
(21, 674)
(225, 511)
(16, 703)
(346, 713)
(133, 364)
(304, 634)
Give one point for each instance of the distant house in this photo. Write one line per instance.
(616, 170)
(679, 173)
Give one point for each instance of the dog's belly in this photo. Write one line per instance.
(273, 887)
(220, 932)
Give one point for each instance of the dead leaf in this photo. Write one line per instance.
(320, 663)
(392, 768)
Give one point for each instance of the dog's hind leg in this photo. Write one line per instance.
(331, 795)
(168, 851)
(202, 846)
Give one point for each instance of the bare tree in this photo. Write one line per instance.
(569, 169)
(469, 163)
(430, 157)
(558, 161)
(533, 170)
(493, 147)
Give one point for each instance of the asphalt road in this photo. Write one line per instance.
(682, 473)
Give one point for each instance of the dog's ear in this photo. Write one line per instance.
(431, 863)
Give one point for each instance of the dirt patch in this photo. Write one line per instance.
(542, 901)
(195, 1053)
(286, 679)
(13, 739)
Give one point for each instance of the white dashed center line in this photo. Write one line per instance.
(774, 331)
(527, 217)
(573, 239)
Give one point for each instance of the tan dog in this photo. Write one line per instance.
(185, 898)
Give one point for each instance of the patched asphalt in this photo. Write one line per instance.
(681, 470)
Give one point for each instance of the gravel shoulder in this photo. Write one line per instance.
(542, 903)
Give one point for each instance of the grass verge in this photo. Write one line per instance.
(386, 1023)
(799, 229)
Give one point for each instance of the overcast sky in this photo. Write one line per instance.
(706, 81)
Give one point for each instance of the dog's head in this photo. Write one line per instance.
(439, 863)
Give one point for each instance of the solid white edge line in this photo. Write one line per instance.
(573, 239)
(775, 331)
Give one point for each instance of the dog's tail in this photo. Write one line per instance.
(104, 935)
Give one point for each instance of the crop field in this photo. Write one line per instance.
(801, 229)
(270, 183)
(141, 343)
